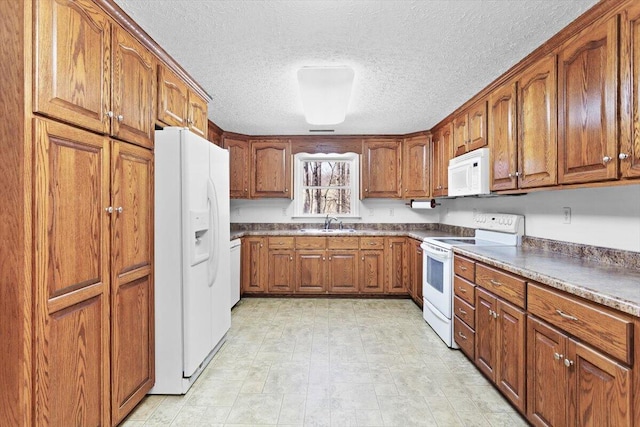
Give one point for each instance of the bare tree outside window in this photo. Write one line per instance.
(327, 187)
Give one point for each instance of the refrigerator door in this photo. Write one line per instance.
(198, 235)
(220, 259)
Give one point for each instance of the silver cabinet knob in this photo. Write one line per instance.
(109, 210)
(109, 114)
(606, 159)
(120, 117)
(568, 362)
(119, 209)
(557, 356)
(623, 156)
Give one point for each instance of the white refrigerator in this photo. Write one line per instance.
(192, 313)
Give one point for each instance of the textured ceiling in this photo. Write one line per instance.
(415, 61)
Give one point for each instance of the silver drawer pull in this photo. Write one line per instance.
(462, 311)
(464, 291)
(566, 316)
(461, 335)
(463, 268)
(495, 282)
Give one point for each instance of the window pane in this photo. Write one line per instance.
(326, 173)
(327, 201)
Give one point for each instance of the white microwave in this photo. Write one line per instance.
(469, 174)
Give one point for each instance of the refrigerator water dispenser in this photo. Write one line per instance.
(200, 245)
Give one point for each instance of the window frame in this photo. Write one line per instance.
(298, 198)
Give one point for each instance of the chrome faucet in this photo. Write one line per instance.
(327, 221)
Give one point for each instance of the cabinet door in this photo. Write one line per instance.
(381, 168)
(197, 115)
(281, 271)
(132, 300)
(599, 389)
(239, 156)
(537, 125)
(72, 77)
(460, 134)
(587, 102)
(502, 133)
(372, 271)
(310, 271)
(172, 98)
(342, 273)
(546, 375)
(271, 168)
(440, 156)
(71, 267)
(396, 255)
(486, 333)
(417, 268)
(415, 172)
(254, 266)
(630, 93)
(133, 91)
(510, 340)
(477, 126)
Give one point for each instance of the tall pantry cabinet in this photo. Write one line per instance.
(78, 113)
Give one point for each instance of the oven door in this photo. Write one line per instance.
(437, 279)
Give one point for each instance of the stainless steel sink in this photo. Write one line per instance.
(325, 231)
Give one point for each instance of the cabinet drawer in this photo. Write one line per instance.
(371, 242)
(339, 242)
(464, 267)
(605, 329)
(465, 312)
(464, 290)
(311, 242)
(510, 287)
(465, 337)
(281, 242)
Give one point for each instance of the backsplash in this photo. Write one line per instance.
(615, 257)
(262, 226)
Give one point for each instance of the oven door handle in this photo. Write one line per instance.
(436, 252)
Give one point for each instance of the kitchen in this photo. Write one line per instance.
(603, 213)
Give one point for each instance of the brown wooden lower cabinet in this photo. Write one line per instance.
(500, 345)
(315, 265)
(572, 368)
(572, 384)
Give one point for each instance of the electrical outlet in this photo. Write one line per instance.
(567, 215)
(284, 211)
(390, 211)
(371, 212)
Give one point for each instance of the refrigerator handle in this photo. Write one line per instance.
(214, 217)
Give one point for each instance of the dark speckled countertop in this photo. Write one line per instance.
(615, 286)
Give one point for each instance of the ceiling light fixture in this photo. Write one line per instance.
(325, 93)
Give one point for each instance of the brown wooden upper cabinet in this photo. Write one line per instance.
(441, 153)
(178, 105)
(415, 167)
(271, 171)
(629, 156)
(381, 168)
(587, 103)
(470, 128)
(523, 133)
(92, 73)
(239, 166)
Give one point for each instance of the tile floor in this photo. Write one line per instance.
(332, 362)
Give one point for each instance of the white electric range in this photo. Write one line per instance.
(492, 229)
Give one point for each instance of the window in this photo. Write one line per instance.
(326, 184)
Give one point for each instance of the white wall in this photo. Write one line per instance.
(371, 211)
(607, 217)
